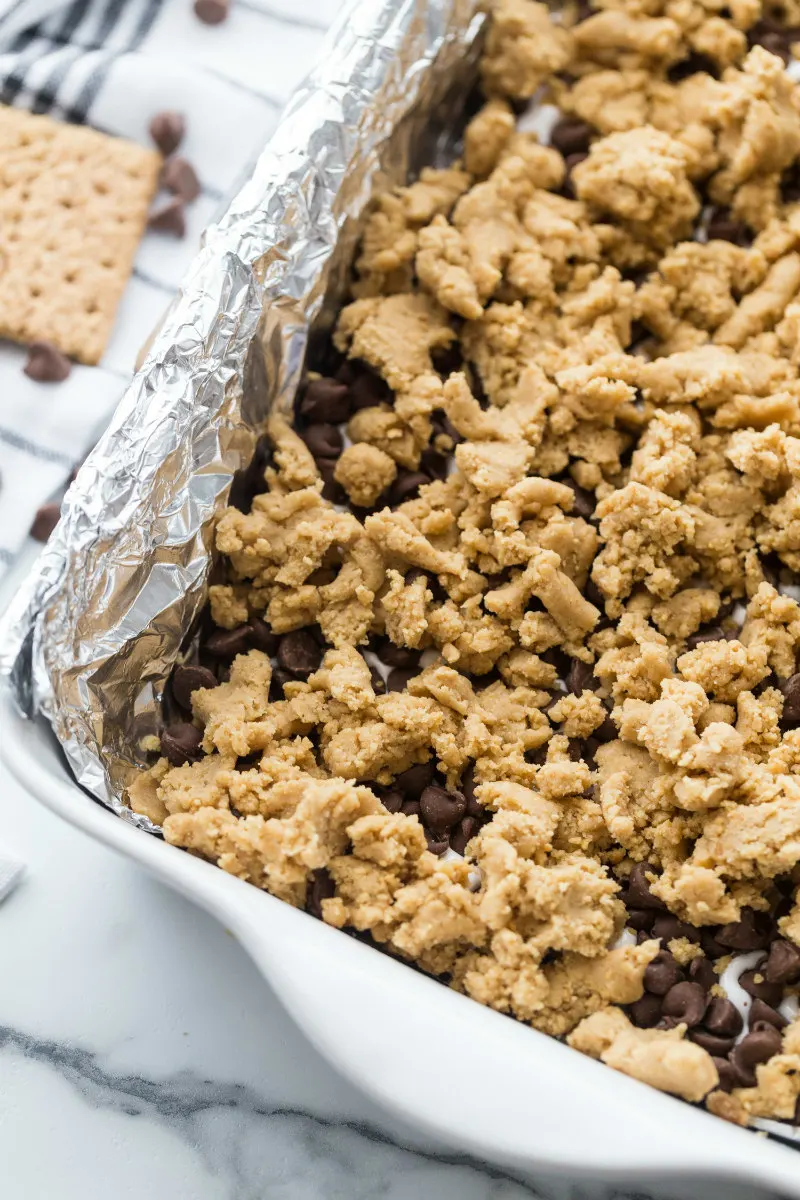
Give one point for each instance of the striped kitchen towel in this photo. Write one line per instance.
(113, 64)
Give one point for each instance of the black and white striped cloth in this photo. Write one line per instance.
(113, 64)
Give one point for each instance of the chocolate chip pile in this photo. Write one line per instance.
(500, 664)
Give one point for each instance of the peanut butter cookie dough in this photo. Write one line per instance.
(503, 671)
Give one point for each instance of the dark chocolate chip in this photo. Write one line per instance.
(322, 888)
(755, 984)
(441, 810)
(189, 679)
(571, 135)
(686, 1001)
(724, 227)
(392, 799)
(396, 656)
(723, 1018)
(711, 947)
(169, 217)
(467, 828)
(378, 682)
(639, 894)
(662, 973)
(668, 927)
(436, 844)
(46, 364)
(751, 932)
(262, 638)
(167, 130)
(179, 177)
(414, 781)
(728, 1078)
(399, 677)
(580, 677)
(759, 1011)
(411, 809)
(406, 486)
(332, 490)
(366, 388)
(324, 401)
(299, 653)
(783, 963)
(212, 12)
(584, 503)
(791, 701)
(45, 521)
(706, 633)
(434, 464)
(323, 440)
(180, 743)
(756, 1047)
(646, 1012)
(277, 683)
(701, 971)
(571, 162)
(641, 918)
(718, 1047)
(227, 643)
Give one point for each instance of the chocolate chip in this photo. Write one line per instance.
(728, 1079)
(584, 503)
(718, 1047)
(392, 800)
(46, 364)
(668, 927)
(406, 486)
(414, 781)
(783, 963)
(441, 810)
(45, 521)
(180, 743)
(169, 217)
(571, 135)
(724, 227)
(262, 638)
(759, 1011)
(580, 677)
(322, 888)
(167, 130)
(755, 984)
(641, 919)
(434, 464)
(467, 786)
(701, 971)
(791, 701)
(227, 643)
(751, 932)
(323, 440)
(324, 401)
(188, 679)
(639, 894)
(399, 677)
(436, 844)
(706, 633)
(646, 1012)
(411, 809)
(686, 1001)
(571, 162)
(299, 653)
(711, 947)
(773, 36)
(756, 1047)
(467, 828)
(378, 682)
(212, 12)
(332, 490)
(662, 973)
(277, 683)
(396, 656)
(367, 389)
(179, 176)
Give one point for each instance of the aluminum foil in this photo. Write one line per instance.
(91, 637)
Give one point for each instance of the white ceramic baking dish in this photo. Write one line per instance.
(463, 1074)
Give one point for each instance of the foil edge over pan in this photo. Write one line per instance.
(91, 637)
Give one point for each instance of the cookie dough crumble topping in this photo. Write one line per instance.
(505, 659)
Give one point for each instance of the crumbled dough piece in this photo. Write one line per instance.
(364, 471)
(523, 48)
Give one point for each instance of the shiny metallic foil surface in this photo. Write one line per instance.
(90, 639)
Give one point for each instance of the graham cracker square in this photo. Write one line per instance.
(73, 204)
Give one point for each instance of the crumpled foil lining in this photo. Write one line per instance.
(91, 637)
